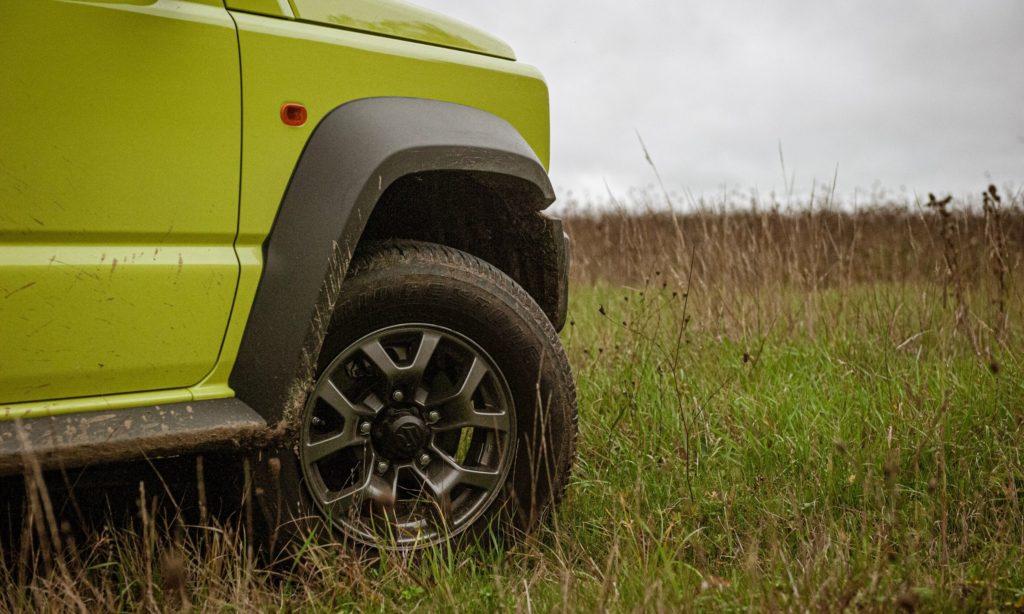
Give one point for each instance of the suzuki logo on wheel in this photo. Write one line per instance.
(408, 438)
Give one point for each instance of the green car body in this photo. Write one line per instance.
(145, 175)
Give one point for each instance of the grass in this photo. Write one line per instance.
(790, 470)
(778, 410)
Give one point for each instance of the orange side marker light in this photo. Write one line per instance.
(294, 114)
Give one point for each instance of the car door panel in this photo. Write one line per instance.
(119, 175)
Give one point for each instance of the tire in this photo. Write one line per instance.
(443, 410)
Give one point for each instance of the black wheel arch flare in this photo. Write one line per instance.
(356, 152)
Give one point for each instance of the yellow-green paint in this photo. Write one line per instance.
(119, 170)
(401, 20)
(90, 404)
(139, 160)
(111, 317)
(340, 66)
(275, 8)
(250, 257)
(115, 401)
(150, 3)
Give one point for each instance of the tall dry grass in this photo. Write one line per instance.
(781, 407)
(736, 250)
(753, 261)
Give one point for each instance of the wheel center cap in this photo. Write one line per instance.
(399, 434)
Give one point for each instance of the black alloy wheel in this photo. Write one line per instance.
(408, 436)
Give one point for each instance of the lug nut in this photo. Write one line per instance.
(398, 396)
(434, 416)
(424, 460)
(382, 467)
(364, 428)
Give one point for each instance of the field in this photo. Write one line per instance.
(780, 409)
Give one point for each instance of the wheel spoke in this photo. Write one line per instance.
(466, 416)
(320, 450)
(451, 474)
(472, 380)
(349, 435)
(479, 478)
(339, 403)
(380, 490)
(439, 491)
(379, 357)
(373, 403)
(409, 375)
(428, 344)
(459, 411)
(338, 502)
(344, 501)
(383, 491)
(443, 507)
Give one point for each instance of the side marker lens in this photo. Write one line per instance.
(294, 114)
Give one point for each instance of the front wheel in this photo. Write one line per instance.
(443, 409)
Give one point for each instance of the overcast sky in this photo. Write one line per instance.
(904, 94)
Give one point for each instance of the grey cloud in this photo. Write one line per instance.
(926, 95)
